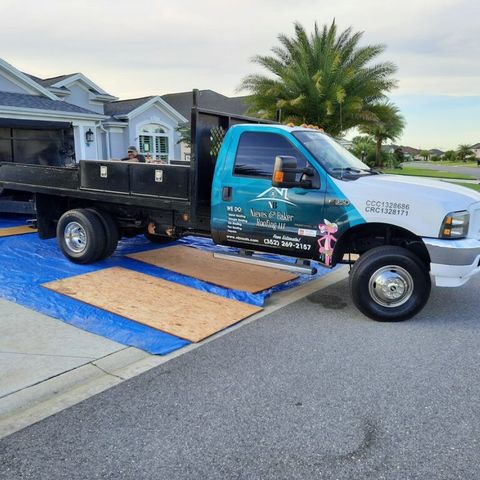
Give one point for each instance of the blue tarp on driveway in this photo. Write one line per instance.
(26, 262)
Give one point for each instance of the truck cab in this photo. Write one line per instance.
(297, 192)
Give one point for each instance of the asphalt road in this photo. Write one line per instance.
(473, 171)
(313, 391)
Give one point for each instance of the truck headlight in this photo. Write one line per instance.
(455, 225)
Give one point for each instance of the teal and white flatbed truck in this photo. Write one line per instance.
(266, 187)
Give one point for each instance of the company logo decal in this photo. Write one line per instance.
(274, 196)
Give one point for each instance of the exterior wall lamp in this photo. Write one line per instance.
(89, 136)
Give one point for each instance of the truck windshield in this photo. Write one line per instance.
(337, 160)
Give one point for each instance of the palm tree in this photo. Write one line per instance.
(389, 125)
(363, 147)
(465, 152)
(425, 154)
(324, 78)
(450, 155)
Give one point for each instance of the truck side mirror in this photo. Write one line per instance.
(285, 170)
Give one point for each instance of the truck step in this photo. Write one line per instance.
(247, 256)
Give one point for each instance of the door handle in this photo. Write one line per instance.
(227, 194)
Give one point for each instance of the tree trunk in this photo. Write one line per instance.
(378, 153)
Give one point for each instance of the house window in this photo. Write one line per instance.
(153, 140)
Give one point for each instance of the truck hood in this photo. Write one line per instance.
(414, 203)
(436, 190)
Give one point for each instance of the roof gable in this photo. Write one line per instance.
(25, 82)
(67, 80)
(135, 106)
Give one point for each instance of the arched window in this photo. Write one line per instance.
(153, 140)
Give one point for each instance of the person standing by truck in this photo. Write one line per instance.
(133, 155)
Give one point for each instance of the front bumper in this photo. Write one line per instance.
(453, 262)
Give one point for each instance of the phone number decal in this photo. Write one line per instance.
(387, 208)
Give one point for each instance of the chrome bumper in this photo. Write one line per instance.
(453, 262)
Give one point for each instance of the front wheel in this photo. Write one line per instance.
(389, 284)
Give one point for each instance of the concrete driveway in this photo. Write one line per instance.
(312, 391)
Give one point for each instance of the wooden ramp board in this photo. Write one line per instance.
(175, 309)
(21, 230)
(202, 265)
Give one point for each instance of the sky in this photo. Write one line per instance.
(152, 47)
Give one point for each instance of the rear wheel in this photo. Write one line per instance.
(389, 284)
(110, 228)
(81, 236)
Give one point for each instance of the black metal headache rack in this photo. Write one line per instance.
(208, 129)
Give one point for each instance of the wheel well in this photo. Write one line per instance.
(361, 238)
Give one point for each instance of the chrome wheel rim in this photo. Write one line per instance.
(75, 237)
(391, 286)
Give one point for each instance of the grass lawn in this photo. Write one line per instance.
(424, 172)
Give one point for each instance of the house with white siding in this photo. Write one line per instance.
(476, 149)
(64, 119)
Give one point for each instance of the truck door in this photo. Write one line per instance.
(251, 213)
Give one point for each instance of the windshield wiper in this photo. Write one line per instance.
(346, 169)
(371, 171)
(353, 171)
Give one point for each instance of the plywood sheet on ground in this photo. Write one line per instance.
(202, 265)
(175, 309)
(10, 231)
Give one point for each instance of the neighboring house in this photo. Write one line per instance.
(389, 148)
(435, 152)
(476, 149)
(67, 118)
(149, 123)
(348, 144)
(411, 153)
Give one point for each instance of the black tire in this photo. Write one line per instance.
(158, 238)
(81, 236)
(112, 233)
(405, 279)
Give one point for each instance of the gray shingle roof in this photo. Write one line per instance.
(123, 107)
(48, 82)
(182, 102)
(410, 150)
(23, 100)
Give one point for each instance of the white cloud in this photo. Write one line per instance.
(150, 47)
(182, 44)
